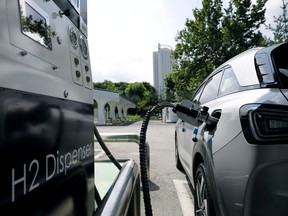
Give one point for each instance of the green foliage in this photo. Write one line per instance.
(152, 95)
(121, 87)
(214, 35)
(169, 90)
(241, 26)
(110, 86)
(140, 118)
(106, 85)
(136, 91)
(153, 117)
(280, 27)
(135, 118)
(142, 93)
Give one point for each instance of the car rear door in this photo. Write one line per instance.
(207, 92)
(184, 133)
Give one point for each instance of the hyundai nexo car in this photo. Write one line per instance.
(239, 166)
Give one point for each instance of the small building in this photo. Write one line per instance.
(111, 107)
(168, 115)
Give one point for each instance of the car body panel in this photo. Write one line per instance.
(224, 134)
(239, 181)
(285, 93)
(243, 65)
(243, 176)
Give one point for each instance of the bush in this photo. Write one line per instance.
(134, 118)
(154, 118)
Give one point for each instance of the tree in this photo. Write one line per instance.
(280, 27)
(152, 96)
(240, 26)
(194, 48)
(212, 37)
(136, 91)
(121, 87)
(110, 86)
(106, 85)
(170, 95)
(144, 95)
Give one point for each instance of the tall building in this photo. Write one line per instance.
(162, 65)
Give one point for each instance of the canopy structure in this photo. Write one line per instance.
(111, 106)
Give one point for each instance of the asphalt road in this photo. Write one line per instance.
(169, 189)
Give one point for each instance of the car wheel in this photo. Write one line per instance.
(177, 159)
(203, 205)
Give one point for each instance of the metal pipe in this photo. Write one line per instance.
(123, 198)
(126, 137)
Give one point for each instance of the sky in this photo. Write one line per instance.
(123, 34)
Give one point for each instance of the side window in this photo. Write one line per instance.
(210, 91)
(229, 83)
(196, 97)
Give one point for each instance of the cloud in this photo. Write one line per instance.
(119, 33)
(123, 34)
(273, 9)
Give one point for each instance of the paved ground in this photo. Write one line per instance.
(169, 189)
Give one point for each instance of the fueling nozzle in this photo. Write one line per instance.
(189, 111)
(194, 114)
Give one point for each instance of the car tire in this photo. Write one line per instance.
(203, 204)
(177, 159)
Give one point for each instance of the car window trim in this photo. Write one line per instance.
(208, 78)
(204, 83)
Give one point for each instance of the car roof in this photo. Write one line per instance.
(243, 65)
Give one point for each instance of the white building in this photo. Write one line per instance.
(162, 65)
(111, 106)
(168, 115)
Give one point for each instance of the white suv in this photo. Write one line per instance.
(239, 166)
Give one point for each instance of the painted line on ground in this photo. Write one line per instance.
(100, 154)
(185, 197)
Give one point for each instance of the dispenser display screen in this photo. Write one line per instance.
(35, 23)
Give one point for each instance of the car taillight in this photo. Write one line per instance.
(264, 123)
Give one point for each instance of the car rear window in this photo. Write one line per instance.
(210, 91)
(229, 83)
(280, 59)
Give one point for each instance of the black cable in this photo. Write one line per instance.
(97, 196)
(143, 158)
(106, 150)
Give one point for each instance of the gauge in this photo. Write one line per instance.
(73, 38)
(83, 47)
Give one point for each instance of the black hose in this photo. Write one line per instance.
(143, 158)
(106, 150)
(143, 165)
(97, 196)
